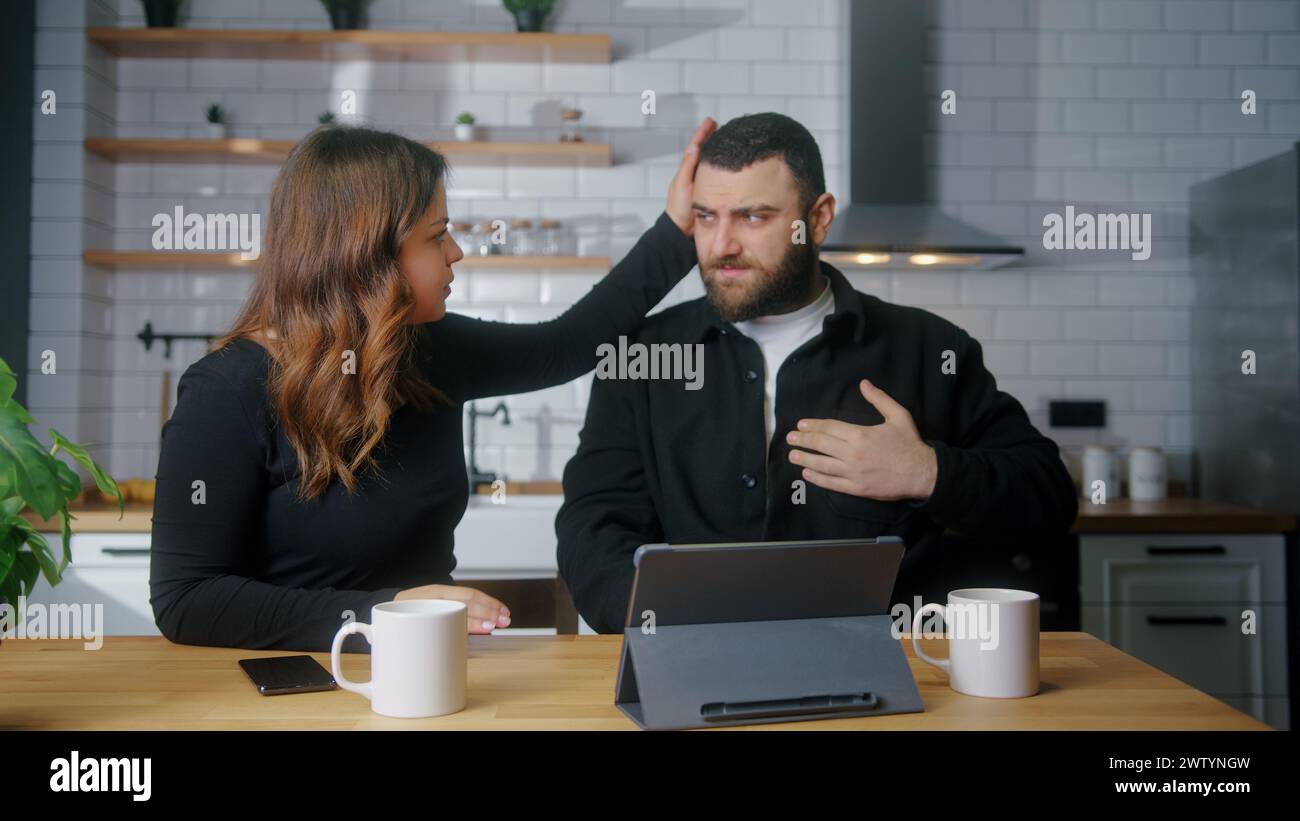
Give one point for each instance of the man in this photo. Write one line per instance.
(823, 412)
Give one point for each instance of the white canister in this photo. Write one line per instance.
(1147, 476)
(1100, 465)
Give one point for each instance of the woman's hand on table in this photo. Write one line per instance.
(484, 612)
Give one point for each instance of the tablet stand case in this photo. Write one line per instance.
(759, 672)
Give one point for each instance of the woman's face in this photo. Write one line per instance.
(425, 259)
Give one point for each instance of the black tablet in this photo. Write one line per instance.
(763, 581)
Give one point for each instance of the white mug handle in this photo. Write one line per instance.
(359, 687)
(943, 664)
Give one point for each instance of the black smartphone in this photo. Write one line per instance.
(280, 675)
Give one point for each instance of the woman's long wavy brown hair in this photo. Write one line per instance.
(329, 284)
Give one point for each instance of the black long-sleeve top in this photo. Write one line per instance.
(658, 463)
(253, 567)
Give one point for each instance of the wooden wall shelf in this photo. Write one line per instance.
(510, 47)
(245, 150)
(223, 260)
(504, 261)
(362, 44)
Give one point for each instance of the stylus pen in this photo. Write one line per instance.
(788, 706)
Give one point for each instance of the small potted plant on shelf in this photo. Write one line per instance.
(530, 15)
(216, 122)
(161, 13)
(33, 478)
(465, 126)
(325, 118)
(346, 14)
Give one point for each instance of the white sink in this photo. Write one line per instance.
(519, 501)
(515, 539)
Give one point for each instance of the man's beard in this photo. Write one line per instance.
(772, 292)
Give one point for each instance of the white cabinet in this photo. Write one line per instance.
(1184, 604)
(108, 569)
(515, 540)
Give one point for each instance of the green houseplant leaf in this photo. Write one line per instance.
(25, 570)
(20, 579)
(12, 408)
(31, 477)
(34, 474)
(9, 544)
(71, 484)
(102, 480)
(7, 384)
(40, 548)
(8, 407)
(516, 6)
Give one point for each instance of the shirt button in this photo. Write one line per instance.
(748, 480)
(750, 376)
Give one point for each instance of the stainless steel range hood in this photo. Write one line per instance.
(889, 221)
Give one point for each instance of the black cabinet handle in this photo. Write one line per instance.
(126, 551)
(1160, 621)
(1186, 550)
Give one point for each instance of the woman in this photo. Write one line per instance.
(314, 464)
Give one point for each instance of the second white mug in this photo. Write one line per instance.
(992, 641)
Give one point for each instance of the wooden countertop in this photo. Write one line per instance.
(1178, 515)
(99, 517)
(544, 683)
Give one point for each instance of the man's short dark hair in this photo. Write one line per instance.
(755, 137)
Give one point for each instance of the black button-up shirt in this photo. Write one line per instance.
(659, 463)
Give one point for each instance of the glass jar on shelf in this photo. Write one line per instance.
(548, 238)
(462, 233)
(481, 240)
(499, 229)
(572, 132)
(522, 242)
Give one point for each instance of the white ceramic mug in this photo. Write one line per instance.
(992, 641)
(418, 656)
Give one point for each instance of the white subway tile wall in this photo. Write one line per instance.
(1107, 105)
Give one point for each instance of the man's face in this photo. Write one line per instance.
(743, 236)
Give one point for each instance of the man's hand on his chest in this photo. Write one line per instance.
(888, 461)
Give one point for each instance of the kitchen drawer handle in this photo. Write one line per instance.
(126, 551)
(1159, 621)
(1186, 550)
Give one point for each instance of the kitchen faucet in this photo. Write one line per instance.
(546, 420)
(478, 477)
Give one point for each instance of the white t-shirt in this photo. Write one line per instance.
(779, 335)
